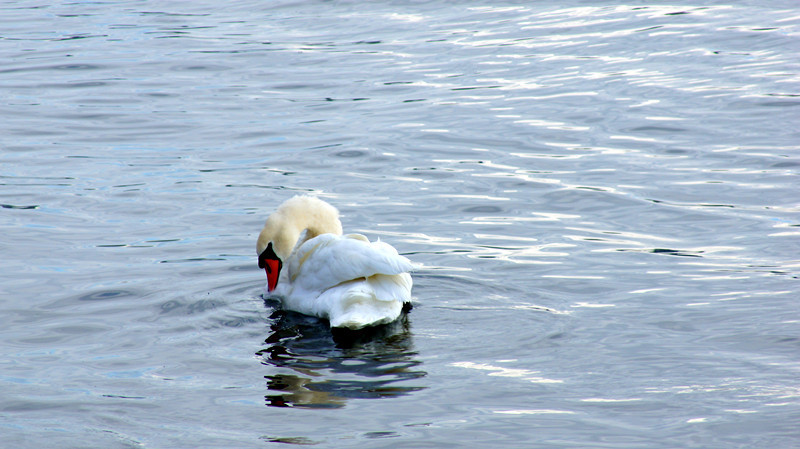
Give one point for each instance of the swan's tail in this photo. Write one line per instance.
(360, 307)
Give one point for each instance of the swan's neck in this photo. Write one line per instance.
(301, 215)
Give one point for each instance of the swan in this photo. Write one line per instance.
(317, 271)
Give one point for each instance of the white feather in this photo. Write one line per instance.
(347, 279)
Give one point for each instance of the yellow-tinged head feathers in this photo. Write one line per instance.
(295, 215)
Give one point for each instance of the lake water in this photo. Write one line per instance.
(605, 201)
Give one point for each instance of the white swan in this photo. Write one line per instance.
(317, 271)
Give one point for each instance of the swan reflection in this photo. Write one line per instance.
(321, 368)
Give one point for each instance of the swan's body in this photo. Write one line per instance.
(317, 271)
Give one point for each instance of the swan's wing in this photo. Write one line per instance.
(328, 260)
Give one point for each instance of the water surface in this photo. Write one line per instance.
(604, 200)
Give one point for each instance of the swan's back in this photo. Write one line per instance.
(348, 279)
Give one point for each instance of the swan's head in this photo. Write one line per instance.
(273, 248)
(282, 229)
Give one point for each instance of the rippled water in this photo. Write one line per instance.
(604, 199)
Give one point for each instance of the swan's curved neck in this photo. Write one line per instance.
(296, 216)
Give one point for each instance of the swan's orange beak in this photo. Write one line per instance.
(272, 264)
(273, 269)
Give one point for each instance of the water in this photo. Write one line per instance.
(604, 199)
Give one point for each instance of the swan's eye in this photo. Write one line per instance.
(267, 254)
(270, 262)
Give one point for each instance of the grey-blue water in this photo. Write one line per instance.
(605, 200)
